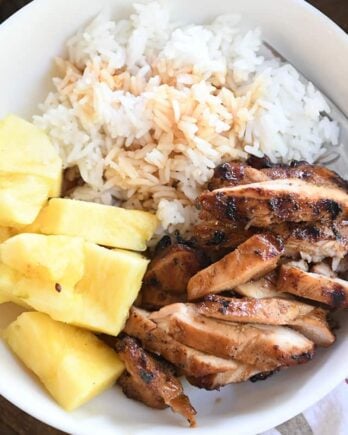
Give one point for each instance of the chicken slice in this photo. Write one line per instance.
(315, 327)
(269, 311)
(213, 234)
(218, 380)
(234, 174)
(319, 175)
(135, 390)
(308, 320)
(330, 291)
(323, 269)
(275, 201)
(154, 376)
(265, 287)
(263, 346)
(191, 361)
(153, 299)
(171, 269)
(254, 258)
(314, 241)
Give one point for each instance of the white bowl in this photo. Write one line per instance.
(28, 42)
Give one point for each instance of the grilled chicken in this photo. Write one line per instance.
(275, 201)
(323, 269)
(263, 346)
(315, 327)
(215, 382)
(269, 311)
(154, 382)
(191, 361)
(330, 291)
(314, 241)
(171, 269)
(254, 258)
(213, 234)
(315, 174)
(308, 320)
(234, 174)
(135, 390)
(265, 287)
(153, 299)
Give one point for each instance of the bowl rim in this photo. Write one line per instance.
(282, 414)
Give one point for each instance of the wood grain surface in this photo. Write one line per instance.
(12, 420)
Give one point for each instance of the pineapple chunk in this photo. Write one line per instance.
(111, 284)
(73, 364)
(106, 225)
(101, 299)
(59, 259)
(6, 233)
(26, 150)
(9, 279)
(21, 198)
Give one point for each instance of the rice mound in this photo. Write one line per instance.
(146, 109)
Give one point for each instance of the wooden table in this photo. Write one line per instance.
(12, 420)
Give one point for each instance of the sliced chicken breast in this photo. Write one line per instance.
(234, 174)
(191, 361)
(171, 269)
(314, 241)
(263, 346)
(153, 299)
(265, 287)
(275, 201)
(330, 291)
(150, 374)
(305, 318)
(254, 258)
(315, 327)
(269, 311)
(218, 380)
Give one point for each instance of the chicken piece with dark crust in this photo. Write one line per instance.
(171, 268)
(234, 174)
(252, 259)
(262, 346)
(320, 288)
(308, 320)
(276, 201)
(153, 381)
(214, 235)
(265, 287)
(191, 361)
(316, 241)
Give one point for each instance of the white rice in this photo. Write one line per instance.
(147, 109)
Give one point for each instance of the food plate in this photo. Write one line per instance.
(319, 49)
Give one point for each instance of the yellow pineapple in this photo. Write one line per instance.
(111, 284)
(26, 150)
(106, 225)
(73, 364)
(100, 301)
(21, 198)
(59, 259)
(6, 233)
(9, 279)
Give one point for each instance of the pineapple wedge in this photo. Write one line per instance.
(59, 259)
(73, 364)
(106, 225)
(111, 284)
(26, 150)
(101, 299)
(21, 198)
(9, 279)
(6, 233)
